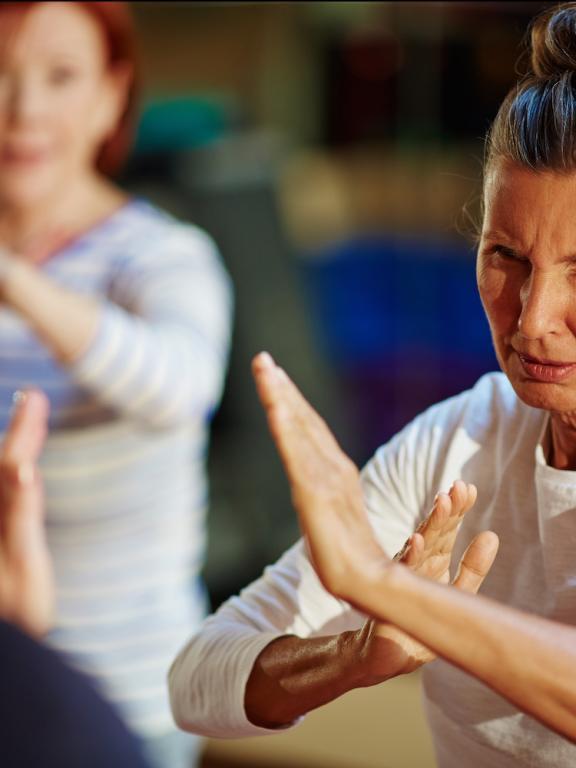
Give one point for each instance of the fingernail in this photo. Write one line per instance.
(18, 399)
(266, 359)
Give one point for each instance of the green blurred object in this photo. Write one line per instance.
(177, 123)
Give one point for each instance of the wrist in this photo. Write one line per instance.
(370, 582)
(381, 650)
(354, 670)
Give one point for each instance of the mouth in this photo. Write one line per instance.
(551, 371)
(11, 155)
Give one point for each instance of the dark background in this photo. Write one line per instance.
(330, 149)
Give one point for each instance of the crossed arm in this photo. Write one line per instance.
(154, 347)
(529, 660)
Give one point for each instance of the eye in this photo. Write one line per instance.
(62, 75)
(508, 254)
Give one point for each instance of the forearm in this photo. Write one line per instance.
(65, 321)
(249, 650)
(155, 371)
(294, 675)
(529, 660)
(158, 371)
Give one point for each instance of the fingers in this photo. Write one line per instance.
(430, 554)
(25, 436)
(448, 510)
(412, 552)
(20, 488)
(304, 441)
(476, 561)
(273, 385)
(263, 370)
(28, 595)
(277, 391)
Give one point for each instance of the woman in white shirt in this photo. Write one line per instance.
(287, 645)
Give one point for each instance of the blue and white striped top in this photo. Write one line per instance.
(124, 461)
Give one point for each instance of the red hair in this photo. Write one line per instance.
(117, 26)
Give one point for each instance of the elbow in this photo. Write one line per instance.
(174, 697)
(179, 697)
(194, 399)
(178, 716)
(168, 419)
(173, 410)
(189, 711)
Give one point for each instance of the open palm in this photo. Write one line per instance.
(26, 579)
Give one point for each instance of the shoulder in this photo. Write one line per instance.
(470, 421)
(150, 226)
(490, 403)
(403, 476)
(150, 243)
(478, 410)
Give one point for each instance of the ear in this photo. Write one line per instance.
(117, 82)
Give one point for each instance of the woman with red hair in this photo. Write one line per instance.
(121, 315)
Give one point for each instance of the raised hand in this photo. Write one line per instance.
(324, 482)
(327, 495)
(26, 579)
(387, 650)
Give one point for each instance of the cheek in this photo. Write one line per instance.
(77, 112)
(78, 133)
(500, 295)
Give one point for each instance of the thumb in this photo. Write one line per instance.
(476, 561)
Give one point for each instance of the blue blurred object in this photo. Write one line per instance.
(401, 321)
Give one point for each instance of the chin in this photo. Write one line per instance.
(25, 189)
(560, 398)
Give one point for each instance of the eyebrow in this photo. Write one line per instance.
(494, 234)
(63, 55)
(500, 237)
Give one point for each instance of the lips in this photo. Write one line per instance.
(22, 154)
(546, 370)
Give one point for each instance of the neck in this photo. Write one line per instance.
(32, 230)
(563, 441)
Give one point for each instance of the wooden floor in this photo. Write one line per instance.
(223, 762)
(217, 762)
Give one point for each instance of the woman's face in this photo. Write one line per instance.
(526, 274)
(58, 101)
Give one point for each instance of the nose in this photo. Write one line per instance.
(544, 302)
(23, 100)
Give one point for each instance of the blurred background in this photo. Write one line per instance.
(334, 151)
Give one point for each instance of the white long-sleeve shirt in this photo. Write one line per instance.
(124, 462)
(485, 436)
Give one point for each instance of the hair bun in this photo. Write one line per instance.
(554, 41)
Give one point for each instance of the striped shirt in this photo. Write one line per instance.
(124, 463)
